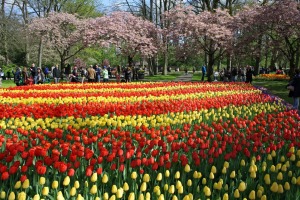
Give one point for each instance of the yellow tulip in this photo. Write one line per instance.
(252, 194)
(177, 175)
(178, 184)
(189, 183)
(224, 170)
(17, 185)
(242, 186)
(45, 191)
(125, 186)
(253, 174)
(298, 180)
(113, 197)
(264, 197)
(273, 153)
(280, 189)
(76, 184)
(54, 184)
(161, 197)
(167, 173)
(166, 187)
(105, 196)
(180, 190)
(141, 197)
(287, 186)
(143, 187)
(195, 174)
(159, 177)
(66, 181)
(36, 197)
(2, 195)
(94, 177)
(11, 196)
(187, 168)
(236, 194)
(273, 169)
(73, 191)
(204, 181)
(293, 157)
(25, 184)
(79, 197)
(294, 180)
(146, 178)
(120, 193)
(207, 191)
(174, 197)
(97, 198)
(42, 180)
(171, 189)
(93, 189)
(211, 175)
(232, 174)
(225, 197)
(269, 157)
(298, 163)
(267, 179)
(279, 176)
(243, 162)
(114, 189)
(226, 164)
(274, 187)
(131, 196)
(22, 196)
(284, 168)
(104, 178)
(148, 196)
(213, 169)
(259, 193)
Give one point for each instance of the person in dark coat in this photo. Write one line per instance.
(56, 74)
(296, 93)
(249, 75)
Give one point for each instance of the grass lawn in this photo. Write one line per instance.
(170, 77)
(197, 76)
(278, 88)
(8, 83)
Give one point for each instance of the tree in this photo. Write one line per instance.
(208, 31)
(63, 32)
(131, 34)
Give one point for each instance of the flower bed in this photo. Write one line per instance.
(273, 77)
(147, 141)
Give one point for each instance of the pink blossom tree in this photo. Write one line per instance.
(130, 34)
(209, 32)
(62, 32)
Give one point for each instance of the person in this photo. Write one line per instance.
(18, 77)
(46, 72)
(127, 74)
(203, 72)
(56, 74)
(33, 71)
(105, 74)
(91, 74)
(25, 78)
(279, 71)
(249, 75)
(40, 76)
(84, 74)
(234, 74)
(296, 92)
(74, 75)
(194, 70)
(68, 72)
(8, 75)
(98, 74)
(118, 72)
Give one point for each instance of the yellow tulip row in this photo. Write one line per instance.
(132, 99)
(28, 123)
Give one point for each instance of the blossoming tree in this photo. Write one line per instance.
(63, 32)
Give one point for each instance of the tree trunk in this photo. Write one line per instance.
(130, 61)
(297, 55)
(40, 53)
(292, 64)
(258, 57)
(166, 56)
(210, 66)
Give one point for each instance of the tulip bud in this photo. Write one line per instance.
(264, 197)
(242, 186)
(195, 174)
(148, 196)
(125, 186)
(280, 189)
(42, 180)
(141, 197)
(207, 191)
(105, 196)
(298, 180)
(177, 175)
(274, 187)
(174, 197)
(17, 185)
(134, 175)
(180, 190)
(226, 164)
(11, 196)
(54, 184)
(253, 174)
(252, 195)
(273, 153)
(2, 195)
(189, 183)
(178, 184)
(66, 181)
(224, 170)
(36, 197)
(232, 174)
(273, 169)
(213, 169)
(73, 191)
(236, 194)
(225, 197)
(143, 187)
(131, 196)
(166, 187)
(243, 162)
(279, 176)
(79, 197)
(172, 189)
(211, 175)
(167, 173)
(161, 197)
(94, 177)
(120, 193)
(104, 178)
(45, 191)
(146, 178)
(259, 193)
(159, 177)
(26, 184)
(114, 189)
(113, 197)
(204, 181)
(187, 168)
(287, 186)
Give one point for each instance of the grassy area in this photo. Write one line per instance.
(170, 77)
(278, 88)
(197, 76)
(8, 83)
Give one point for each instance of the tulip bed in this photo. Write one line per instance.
(147, 141)
(273, 76)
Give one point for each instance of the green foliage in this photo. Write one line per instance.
(83, 8)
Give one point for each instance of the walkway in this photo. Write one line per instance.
(184, 78)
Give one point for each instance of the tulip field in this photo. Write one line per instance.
(160, 140)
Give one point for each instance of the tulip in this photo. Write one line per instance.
(159, 177)
(204, 181)
(93, 189)
(146, 178)
(284, 168)
(187, 168)
(73, 191)
(17, 185)
(114, 189)
(104, 178)
(2, 195)
(171, 189)
(79, 197)
(207, 191)
(45, 191)
(174, 197)
(298, 163)
(195, 174)
(264, 197)
(224, 170)
(293, 157)
(166, 187)
(54, 184)
(225, 197)
(94, 177)
(105, 196)
(141, 197)
(213, 169)
(161, 197)
(278, 166)
(232, 174)
(259, 193)
(273, 169)
(279, 176)
(11, 196)
(180, 190)
(133, 175)
(177, 175)
(298, 180)
(226, 164)
(36, 197)
(274, 187)
(267, 179)
(189, 183)
(131, 196)
(273, 153)
(66, 181)
(242, 186)
(282, 159)
(97, 198)
(42, 180)
(120, 193)
(287, 186)
(125, 186)
(113, 197)
(148, 196)
(253, 174)
(252, 194)
(294, 180)
(167, 173)
(211, 175)
(236, 194)
(243, 162)
(25, 184)
(280, 189)
(143, 187)
(76, 184)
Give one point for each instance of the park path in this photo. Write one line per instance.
(184, 78)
